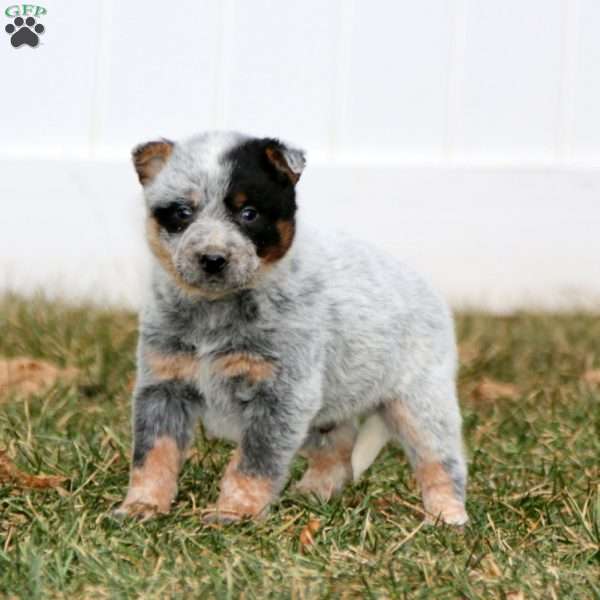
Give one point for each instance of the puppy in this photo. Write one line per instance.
(280, 339)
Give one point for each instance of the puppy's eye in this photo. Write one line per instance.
(174, 217)
(183, 212)
(248, 214)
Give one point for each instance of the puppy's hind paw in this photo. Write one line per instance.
(323, 484)
(453, 514)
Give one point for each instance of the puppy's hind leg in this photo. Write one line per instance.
(329, 461)
(427, 424)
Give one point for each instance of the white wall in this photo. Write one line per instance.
(461, 134)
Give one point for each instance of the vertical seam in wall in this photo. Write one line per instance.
(568, 59)
(223, 63)
(98, 104)
(339, 102)
(455, 78)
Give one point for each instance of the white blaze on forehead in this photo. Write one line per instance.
(208, 150)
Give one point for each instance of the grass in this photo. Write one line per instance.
(534, 495)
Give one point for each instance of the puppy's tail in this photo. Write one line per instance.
(372, 437)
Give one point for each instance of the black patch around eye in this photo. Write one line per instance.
(174, 217)
(254, 183)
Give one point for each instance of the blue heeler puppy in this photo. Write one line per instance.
(280, 339)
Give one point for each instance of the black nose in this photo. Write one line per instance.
(212, 263)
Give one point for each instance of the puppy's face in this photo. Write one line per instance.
(221, 208)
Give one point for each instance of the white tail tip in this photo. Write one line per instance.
(371, 438)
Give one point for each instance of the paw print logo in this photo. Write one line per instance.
(24, 32)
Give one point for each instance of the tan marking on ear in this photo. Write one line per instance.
(150, 158)
(277, 159)
(287, 230)
(439, 498)
(175, 366)
(243, 495)
(241, 364)
(153, 486)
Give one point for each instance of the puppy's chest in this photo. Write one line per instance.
(235, 327)
(230, 342)
(236, 359)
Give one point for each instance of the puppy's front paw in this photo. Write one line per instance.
(212, 514)
(145, 502)
(138, 509)
(226, 511)
(153, 485)
(242, 496)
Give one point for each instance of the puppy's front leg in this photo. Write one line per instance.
(166, 404)
(274, 430)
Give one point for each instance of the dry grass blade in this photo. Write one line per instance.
(307, 534)
(489, 390)
(468, 353)
(10, 473)
(26, 376)
(592, 376)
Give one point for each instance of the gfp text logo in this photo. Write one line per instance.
(24, 29)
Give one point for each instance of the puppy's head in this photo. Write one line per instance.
(221, 208)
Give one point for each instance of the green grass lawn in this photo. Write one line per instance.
(534, 492)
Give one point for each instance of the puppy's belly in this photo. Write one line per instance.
(222, 424)
(338, 412)
(341, 403)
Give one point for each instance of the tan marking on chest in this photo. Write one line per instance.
(241, 364)
(175, 366)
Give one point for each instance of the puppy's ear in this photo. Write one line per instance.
(150, 158)
(286, 160)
